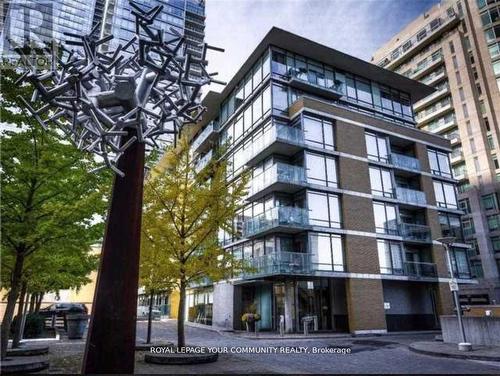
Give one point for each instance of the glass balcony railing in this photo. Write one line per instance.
(210, 129)
(452, 231)
(317, 79)
(279, 216)
(405, 161)
(413, 232)
(420, 269)
(411, 196)
(278, 132)
(279, 263)
(278, 173)
(201, 164)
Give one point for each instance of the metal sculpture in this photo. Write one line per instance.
(146, 84)
(113, 104)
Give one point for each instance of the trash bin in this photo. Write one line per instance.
(76, 325)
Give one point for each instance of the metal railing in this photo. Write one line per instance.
(209, 129)
(420, 269)
(274, 217)
(279, 263)
(414, 232)
(405, 161)
(411, 196)
(278, 132)
(318, 79)
(279, 172)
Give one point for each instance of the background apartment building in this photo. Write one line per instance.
(455, 47)
(343, 207)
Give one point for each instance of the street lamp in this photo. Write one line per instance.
(446, 242)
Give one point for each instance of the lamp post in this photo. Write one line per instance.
(446, 242)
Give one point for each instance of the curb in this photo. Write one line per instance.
(455, 356)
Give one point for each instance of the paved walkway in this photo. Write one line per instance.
(376, 355)
(450, 350)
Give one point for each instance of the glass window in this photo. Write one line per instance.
(324, 209)
(266, 100)
(279, 63)
(351, 87)
(313, 129)
(493, 222)
(280, 98)
(495, 242)
(385, 218)
(489, 202)
(376, 147)
(439, 163)
(381, 182)
(266, 65)
(327, 253)
(321, 170)
(364, 91)
(445, 195)
(390, 257)
(257, 108)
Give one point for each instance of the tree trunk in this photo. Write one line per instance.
(181, 340)
(32, 303)
(150, 317)
(39, 299)
(20, 313)
(11, 304)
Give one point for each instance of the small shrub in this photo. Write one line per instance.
(33, 327)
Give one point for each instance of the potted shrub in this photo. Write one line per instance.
(250, 318)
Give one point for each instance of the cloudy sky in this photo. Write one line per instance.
(357, 27)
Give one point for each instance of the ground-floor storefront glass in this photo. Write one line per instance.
(200, 305)
(322, 301)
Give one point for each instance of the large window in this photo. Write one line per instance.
(318, 132)
(321, 170)
(324, 209)
(439, 162)
(450, 226)
(381, 182)
(460, 263)
(377, 148)
(445, 195)
(493, 222)
(489, 201)
(386, 221)
(390, 257)
(327, 253)
(280, 99)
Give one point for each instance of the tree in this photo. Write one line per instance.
(152, 275)
(183, 210)
(50, 201)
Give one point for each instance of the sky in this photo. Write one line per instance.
(356, 27)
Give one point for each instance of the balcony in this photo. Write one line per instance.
(434, 112)
(440, 93)
(411, 196)
(202, 162)
(429, 64)
(456, 156)
(432, 33)
(315, 83)
(204, 140)
(283, 219)
(279, 263)
(406, 162)
(442, 124)
(280, 177)
(420, 269)
(415, 233)
(279, 139)
(434, 77)
(454, 137)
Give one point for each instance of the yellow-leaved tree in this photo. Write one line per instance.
(184, 208)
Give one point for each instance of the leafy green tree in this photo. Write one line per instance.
(50, 200)
(183, 210)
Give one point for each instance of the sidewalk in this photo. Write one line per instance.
(450, 350)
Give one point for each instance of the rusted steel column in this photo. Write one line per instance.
(110, 346)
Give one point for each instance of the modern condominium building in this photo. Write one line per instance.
(47, 20)
(344, 204)
(455, 47)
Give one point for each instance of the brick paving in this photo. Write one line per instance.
(377, 355)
